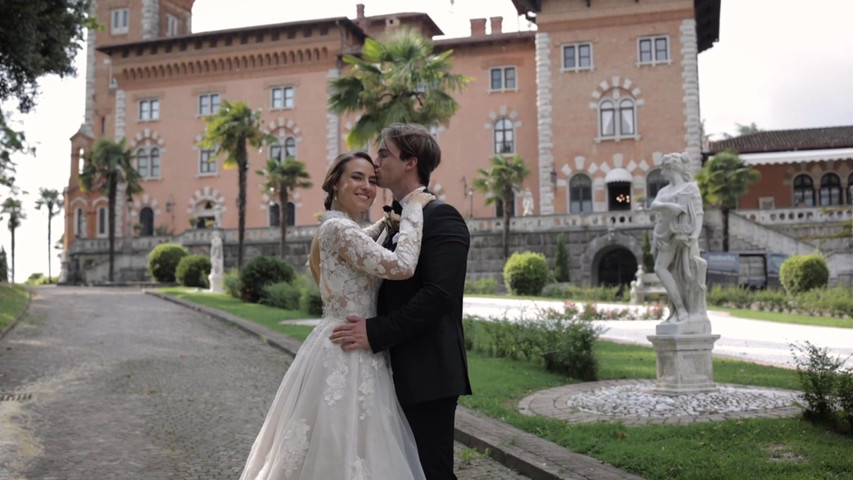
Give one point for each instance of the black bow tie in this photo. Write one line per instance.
(395, 205)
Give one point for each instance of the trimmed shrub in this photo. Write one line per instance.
(163, 260)
(486, 286)
(310, 301)
(192, 271)
(525, 273)
(561, 260)
(231, 283)
(260, 272)
(801, 273)
(282, 295)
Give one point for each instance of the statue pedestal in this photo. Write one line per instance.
(216, 283)
(684, 360)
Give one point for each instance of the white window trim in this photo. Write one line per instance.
(210, 95)
(151, 118)
(121, 29)
(215, 171)
(577, 46)
(284, 105)
(503, 69)
(654, 61)
(617, 136)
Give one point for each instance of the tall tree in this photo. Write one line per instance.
(398, 81)
(282, 178)
(4, 268)
(232, 130)
(107, 167)
(37, 37)
(500, 181)
(51, 200)
(12, 208)
(722, 181)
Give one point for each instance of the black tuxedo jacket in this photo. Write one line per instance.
(420, 319)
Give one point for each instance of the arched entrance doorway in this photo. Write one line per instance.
(617, 266)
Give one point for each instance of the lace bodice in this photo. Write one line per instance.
(352, 264)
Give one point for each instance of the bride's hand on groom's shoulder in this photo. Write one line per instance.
(422, 198)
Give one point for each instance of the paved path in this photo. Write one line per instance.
(115, 384)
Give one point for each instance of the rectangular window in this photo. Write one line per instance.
(119, 20)
(149, 110)
(206, 162)
(653, 50)
(171, 25)
(502, 78)
(208, 103)
(577, 56)
(282, 97)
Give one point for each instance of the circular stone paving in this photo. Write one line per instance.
(632, 402)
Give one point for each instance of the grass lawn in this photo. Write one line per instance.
(788, 317)
(13, 299)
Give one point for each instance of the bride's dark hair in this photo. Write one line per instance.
(336, 170)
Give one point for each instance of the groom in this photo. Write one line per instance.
(420, 319)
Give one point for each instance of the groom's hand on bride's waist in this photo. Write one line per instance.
(352, 335)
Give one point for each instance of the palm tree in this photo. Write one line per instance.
(231, 130)
(52, 201)
(722, 181)
(107, 167)
(283, 178)
(12, 208)
(501, 180)
(398, 81)
(743, 130)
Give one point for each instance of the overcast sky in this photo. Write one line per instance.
(781, 64)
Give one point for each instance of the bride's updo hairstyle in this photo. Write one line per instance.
(336, 170)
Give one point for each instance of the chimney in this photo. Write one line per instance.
(359, 8)
(478, 27)
(496, 24)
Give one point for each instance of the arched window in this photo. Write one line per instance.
(504, 136)
(850, 189)
(607, 114)
(803, 191)
(654, 182)
(626, 117)
(276, 152)
(275, 219)
(291, 214)
(142, 162)
(830, 189)
(146, 219)
(290, 147)
(102, 222)
(580, 194)
(80, 224)
(617, 120)
(154, 168)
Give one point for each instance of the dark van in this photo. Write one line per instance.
(746, 269)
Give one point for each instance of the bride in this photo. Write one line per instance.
(336, 415)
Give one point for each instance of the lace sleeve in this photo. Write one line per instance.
(373, 231)
(358, 249)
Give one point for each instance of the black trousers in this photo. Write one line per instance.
(433, 425)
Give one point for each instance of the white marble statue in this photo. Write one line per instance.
(216, 263)
(678, 263)
(527, 202)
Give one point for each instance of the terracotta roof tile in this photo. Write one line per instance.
(787, 140)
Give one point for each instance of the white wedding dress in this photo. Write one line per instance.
(336, 415)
